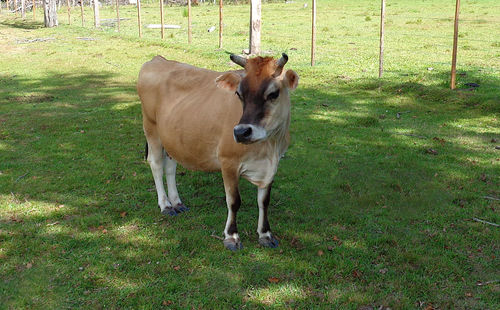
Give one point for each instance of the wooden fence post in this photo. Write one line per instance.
(81, 10)
(189, 22)
(139, 17)
(455, 42)
(221, 26)
(162, 20)
(69, 12)
(8, 10)
(382, 30)
(34, 9)
(118, 14)
(255, 27)
(313, 34)
(15, 7)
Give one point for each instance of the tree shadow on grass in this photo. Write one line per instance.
(352, 198)
(22, 23)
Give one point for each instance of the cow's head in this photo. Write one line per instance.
(263, 91)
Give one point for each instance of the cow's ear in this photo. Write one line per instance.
(228, 81)
(291, 79)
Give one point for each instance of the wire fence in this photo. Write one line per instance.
(397, 24)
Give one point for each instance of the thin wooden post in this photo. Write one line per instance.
(34, 9)
(455, 43)
(15, 7)
(382, 30)
(313, 35)
(189, 22)
(81, 10)
(139, 17)
(69, 12)
(8, 10)
(118, 14)
(221, 26)
(162, 20)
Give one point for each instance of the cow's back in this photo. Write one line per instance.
(193, 118)
(166, 82)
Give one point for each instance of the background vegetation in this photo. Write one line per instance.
(373, 203)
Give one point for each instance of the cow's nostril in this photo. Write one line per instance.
(247, 132)
(242, 132)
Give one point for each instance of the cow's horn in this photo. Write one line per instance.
(280, 64)
(238, 60)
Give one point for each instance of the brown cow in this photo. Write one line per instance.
(235, 122)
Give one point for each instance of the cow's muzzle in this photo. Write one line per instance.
(246, 133)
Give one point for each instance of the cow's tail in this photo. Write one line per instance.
(146, 149)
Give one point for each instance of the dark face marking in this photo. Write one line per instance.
(255, 101)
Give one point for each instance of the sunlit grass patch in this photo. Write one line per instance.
(123, 106)
(277, 294)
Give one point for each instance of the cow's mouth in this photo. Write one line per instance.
(247, 133)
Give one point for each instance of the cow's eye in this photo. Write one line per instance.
(273, 95)
(239, 95)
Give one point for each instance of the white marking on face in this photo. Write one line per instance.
(258, 132)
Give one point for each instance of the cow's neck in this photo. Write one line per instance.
(278, 138)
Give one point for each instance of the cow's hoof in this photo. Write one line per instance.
(169, 211)
(233, 244)
(268, 242)
(180, 208)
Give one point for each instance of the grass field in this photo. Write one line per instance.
(373, 210)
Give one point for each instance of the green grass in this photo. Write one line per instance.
(366, 216)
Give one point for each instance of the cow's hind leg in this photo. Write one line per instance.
(264, 230)
(233, 200)
(155, 157)
(173, 195)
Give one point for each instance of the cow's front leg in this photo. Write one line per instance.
(233, 200)
(264, 230)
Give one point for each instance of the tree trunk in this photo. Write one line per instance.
(255, 21)
(50, 13)
(23, 9)
(97, 19)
